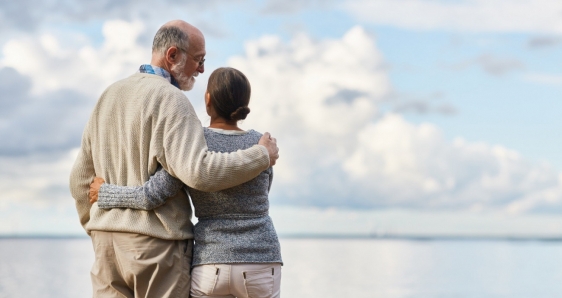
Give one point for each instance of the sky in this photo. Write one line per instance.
(393, 117)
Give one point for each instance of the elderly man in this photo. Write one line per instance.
(137, 124)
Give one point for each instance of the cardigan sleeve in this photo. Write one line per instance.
(152, 194)
(185, 154)
(81, 175)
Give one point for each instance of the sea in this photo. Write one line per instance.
(327, 267)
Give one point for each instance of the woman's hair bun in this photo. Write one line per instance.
(240, 113)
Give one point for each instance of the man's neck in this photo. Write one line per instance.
(160, 62)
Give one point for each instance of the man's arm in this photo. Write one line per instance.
(152, 194)
(185, 155)
(81, 176)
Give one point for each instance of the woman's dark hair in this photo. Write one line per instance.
(229, 90)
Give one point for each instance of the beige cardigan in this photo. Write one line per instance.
(138, 123)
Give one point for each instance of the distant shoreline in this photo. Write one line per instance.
(511, 238)
(556, 238)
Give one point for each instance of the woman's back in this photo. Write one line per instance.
(234, 225)
(249, 199)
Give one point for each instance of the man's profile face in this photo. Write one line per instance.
(190, 64)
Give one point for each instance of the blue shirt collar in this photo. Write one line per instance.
(155, 70)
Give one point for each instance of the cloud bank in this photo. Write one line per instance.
(54, 63)
(532, 16)
(49, 87)
(30, 124)
(29, 15)
(321, 98)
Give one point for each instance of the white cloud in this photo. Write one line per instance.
(41, 179)
(292, 6)
(402, 164)
(51, 83)
(542, 42)
(35, 196)
(31, 14)
(31, 124)
(546, 79)
(492, 64)
(53, 63)
(537, 16)
(320, 98)
(311, 95)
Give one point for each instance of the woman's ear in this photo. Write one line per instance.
(207, 99)
(208, 106)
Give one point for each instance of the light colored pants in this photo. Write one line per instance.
(236, 280)
(138, 266)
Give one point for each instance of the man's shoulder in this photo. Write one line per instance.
(149, 81)
(155, 91)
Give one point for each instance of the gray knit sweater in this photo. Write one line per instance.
(234, 225)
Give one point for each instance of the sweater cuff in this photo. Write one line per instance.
(265, 155)
(112, 196)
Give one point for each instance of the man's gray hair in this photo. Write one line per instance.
(169, 36)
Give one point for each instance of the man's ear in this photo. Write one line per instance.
(172, 55)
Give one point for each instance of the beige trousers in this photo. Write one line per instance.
(236, 280)
(138, 266)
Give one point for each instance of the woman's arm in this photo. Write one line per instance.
(152, 194)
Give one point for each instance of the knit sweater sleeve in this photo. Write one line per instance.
(185, 154)
(81, 175)
(270, 179)
(152, 194)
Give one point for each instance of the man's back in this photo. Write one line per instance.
(125, 137)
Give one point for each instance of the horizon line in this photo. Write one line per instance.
(312, 236)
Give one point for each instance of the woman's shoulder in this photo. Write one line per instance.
(237, 133)
(254, 133)
(220, 140)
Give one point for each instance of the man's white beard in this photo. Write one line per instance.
(186, 83)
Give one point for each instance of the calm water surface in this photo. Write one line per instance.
(327, 268)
